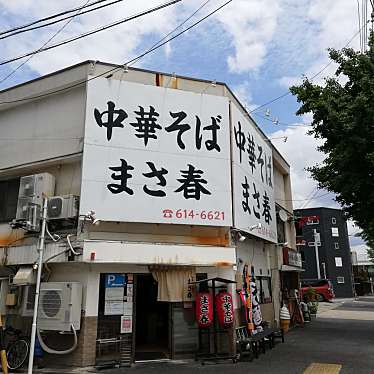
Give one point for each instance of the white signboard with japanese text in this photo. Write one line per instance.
(253, 181)
(157, 155)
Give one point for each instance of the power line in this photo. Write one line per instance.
(51, 17)
(124, 64)
(127, 19)
(314, 76)
(34, 53)
(282, 123)
(179, 26)
(309, 199)
(57, 21)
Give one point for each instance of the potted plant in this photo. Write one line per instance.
(311, 299)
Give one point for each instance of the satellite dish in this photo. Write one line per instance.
(282, 215)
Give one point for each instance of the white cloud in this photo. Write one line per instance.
(243, 93)
(321, 25)
(301, 152)
(114, 45)
(251, 24)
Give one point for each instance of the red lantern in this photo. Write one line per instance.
(225, 309)
(204, 309)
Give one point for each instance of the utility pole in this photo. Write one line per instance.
(36, 301)
(317, 236)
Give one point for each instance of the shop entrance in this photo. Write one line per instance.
(152, 322)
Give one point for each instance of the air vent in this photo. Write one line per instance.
(51, 303)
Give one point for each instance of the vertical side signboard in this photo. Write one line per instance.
(253, 182)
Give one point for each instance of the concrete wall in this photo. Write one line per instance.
(44, 129)
(68, 180)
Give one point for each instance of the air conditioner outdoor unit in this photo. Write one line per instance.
(31, 191)
(59, 306)
(28, 297)
(63, 207)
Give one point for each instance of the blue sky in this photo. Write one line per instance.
(258, 47)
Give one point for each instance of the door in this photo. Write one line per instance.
(152, 340)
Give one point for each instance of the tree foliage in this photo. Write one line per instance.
(343, 117)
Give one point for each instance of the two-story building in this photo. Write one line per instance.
(153, 180)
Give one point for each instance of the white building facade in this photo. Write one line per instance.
(169, 180)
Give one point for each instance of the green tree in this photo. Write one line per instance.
(343, 117)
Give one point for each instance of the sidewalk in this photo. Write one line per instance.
(340, 339)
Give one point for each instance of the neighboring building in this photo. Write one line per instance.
(333, 247)
(179, 177)
(363, 271)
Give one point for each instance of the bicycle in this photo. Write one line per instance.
(17, 349)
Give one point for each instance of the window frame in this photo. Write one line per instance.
(260, 281)
(333, 234)
(333, 220)
(9, 190)
(336, 245)
(340, 260)
(340, 282)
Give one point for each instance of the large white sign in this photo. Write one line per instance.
(154, 154)
(253, 182)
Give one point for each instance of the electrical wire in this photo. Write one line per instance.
(51, 17)
(282, 123)
(92, 32)
(47, 42)
(125, 64)
(57, 21)
(178, 27)
(310, 199)
(314, 76)
(307, 199)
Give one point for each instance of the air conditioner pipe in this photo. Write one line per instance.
(54, 352)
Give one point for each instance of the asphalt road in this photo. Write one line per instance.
(338, 341)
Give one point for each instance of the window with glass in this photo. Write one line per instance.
(336, 245)
(334, 231)
(333, 220)
(8, 199)
(340, 279)
(338, 262)
(264, 289)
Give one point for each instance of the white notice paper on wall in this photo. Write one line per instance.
(114, 293)
(127, 308)
(113, 307)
